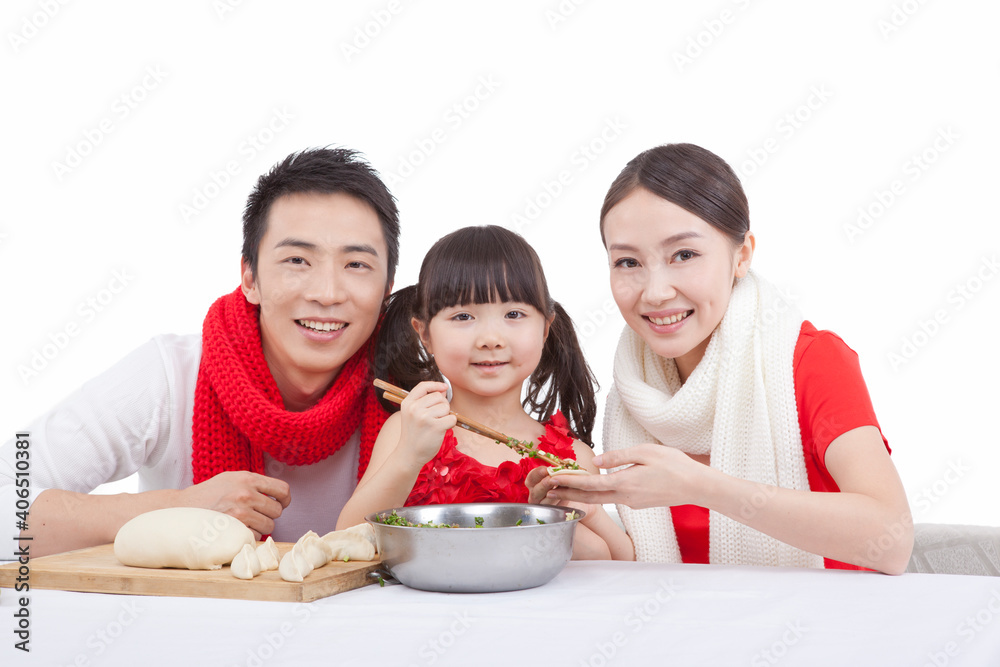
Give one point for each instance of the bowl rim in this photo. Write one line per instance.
(580, 514)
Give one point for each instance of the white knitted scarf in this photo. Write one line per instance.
(738, 406)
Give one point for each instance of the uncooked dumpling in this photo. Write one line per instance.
(316, 550)
(295, 565)
(553, 472)
(182, 537)
(350, 544)
(246, 565)
(267, 554)
(365, 530)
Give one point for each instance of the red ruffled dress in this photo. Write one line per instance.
(454, 477)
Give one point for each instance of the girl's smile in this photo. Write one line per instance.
(486, 349)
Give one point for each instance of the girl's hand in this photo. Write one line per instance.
(537, 493)
(657, 476)
(426, 416)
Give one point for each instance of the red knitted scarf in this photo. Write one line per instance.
(238, 411)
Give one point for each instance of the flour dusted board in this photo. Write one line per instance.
(96, 570)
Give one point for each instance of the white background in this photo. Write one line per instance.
(821, 107)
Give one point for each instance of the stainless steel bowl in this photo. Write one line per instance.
(499, 556)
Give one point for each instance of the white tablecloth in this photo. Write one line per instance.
(591, 614)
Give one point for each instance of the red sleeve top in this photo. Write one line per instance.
(831, 398)
(454, 477)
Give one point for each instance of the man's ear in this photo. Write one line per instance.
(744, 254)
(248, 283)
(422, 334)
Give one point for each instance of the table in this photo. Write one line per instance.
(591, 615)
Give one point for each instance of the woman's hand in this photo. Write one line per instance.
(426, 416)
(657, 476)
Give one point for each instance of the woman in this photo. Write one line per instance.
(773, 454)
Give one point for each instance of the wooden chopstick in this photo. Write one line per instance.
(396, 394)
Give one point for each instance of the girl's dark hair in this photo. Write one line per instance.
(486, 265)
(695, 179)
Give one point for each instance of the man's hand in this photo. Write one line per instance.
(254, 499)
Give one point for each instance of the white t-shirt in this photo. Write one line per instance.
(136, 418)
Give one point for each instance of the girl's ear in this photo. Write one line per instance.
(422, 334)
(548, 325)
(744, 254)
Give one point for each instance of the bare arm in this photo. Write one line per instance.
(597, 537)
(868, 523)
(407, 441)
(65, 520)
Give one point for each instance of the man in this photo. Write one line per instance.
(269, 415)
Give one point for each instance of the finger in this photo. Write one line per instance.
(639, 454)
(429, 387)
(582, 482)
(259, 524)
(275, 488)
(535, 476)
(538, 491)
(562, 495)
(266, 506)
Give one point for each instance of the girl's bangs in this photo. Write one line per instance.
(485, 270)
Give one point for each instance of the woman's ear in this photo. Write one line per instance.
(422, 334)
(744, 254)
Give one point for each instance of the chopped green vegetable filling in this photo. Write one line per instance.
(396, 520)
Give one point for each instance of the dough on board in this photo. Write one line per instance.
(181, 537)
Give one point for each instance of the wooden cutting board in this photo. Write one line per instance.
(96, 570)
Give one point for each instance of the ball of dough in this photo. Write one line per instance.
(182, 537)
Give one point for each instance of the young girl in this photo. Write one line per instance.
(481, 317)
(748, 435)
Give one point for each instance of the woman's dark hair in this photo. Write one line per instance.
(486, 265)
(326, 171)
(695, 179)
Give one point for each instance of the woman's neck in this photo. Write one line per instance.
(686, 363)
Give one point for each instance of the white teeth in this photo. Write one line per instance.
(669, 320)
(322, 326)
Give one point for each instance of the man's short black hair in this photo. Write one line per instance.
(326, 171)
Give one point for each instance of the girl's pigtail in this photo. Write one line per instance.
(564, 380)
(399, 357)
